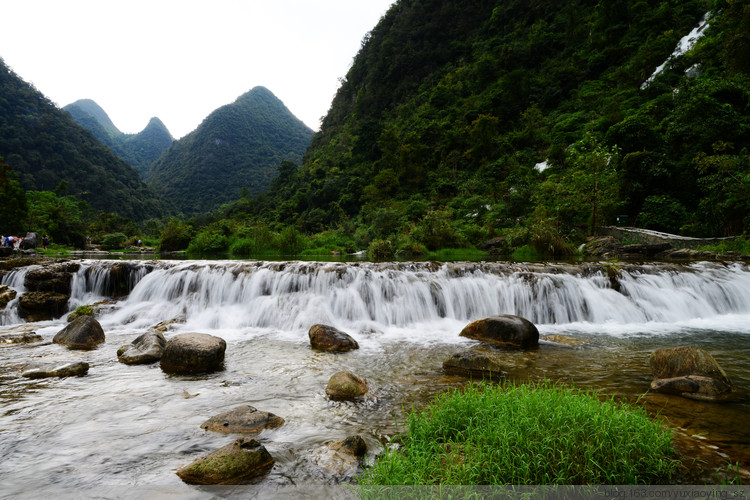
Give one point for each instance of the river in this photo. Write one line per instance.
(121, 428)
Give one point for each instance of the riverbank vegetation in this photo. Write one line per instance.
(537, 434)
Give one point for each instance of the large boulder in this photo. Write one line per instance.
(474, 364)
(232, 464)
(147, 348)
(504, 330)
(689, 371)
(6, 295)
(84, 332)
(193, 353)
(242, 420)
(74, 369)
(42, 306)
(31, 240)
(328, 338)
(346, 385)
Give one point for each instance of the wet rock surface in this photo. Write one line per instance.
(74, 369)
(503, 330)
(42, 306)
(243, 420)
(330, 339)
(6, 295)
(145, 349)
(690, 372)
(475, 364)
(341, 458)
(235, 463)
(84, 332)
(193, 353)
(565, 340)
(20, 338)
(346, 385)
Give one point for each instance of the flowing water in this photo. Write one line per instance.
(132, 426)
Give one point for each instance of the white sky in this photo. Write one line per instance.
(181, 59)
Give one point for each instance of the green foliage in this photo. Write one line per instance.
(46, 147)
(662, 213)
(380, 250)
(436, 231)
(63, 218)
(85, 310)
(175, 236)
(238, 146)
(114, 241)
(13, 207)
(209, 242)
(290, 241)
(526, 434)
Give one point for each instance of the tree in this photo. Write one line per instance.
(13, 206)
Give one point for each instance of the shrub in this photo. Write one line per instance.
(526, 434)
(175, 236)
(290, 241)
(411, 250)
(380, 250)
(207, 242)
(113, 241)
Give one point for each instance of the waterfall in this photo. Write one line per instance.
(14, 280)
(290, 296)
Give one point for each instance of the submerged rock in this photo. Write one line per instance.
(232, 464)
(328, 338)
(20, 338)
(76, 369)
(84, 332)
(243, 420)
(42, 306)
(690, 372)
(671, 362)
(341, 458)
(474, 364)
(193, 353)
(353, 445)
(503, 330)
(565, 340)
(147, 348)
(346, 385)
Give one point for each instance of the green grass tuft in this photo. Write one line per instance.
(543, 434)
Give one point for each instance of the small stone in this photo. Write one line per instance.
(193, 353)
(504, 330)
(474, 364)
(328, 338)
(84, 332)
(346, 385)
(147, 348)
(76, 369)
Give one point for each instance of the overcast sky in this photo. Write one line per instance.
(181, 59)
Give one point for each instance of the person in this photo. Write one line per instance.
(45, 241)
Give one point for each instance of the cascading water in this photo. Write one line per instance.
(133, 425)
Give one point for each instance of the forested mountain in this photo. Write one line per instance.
(235, 150)
(140, 150)
(530, 120)
(47, 149)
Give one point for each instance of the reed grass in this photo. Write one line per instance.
(538, 434)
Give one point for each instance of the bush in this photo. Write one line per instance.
(411, 250)
(290, 241)
(207, 242)
(380, 250)
(527, 434)
(662, 213)
(113, 241)
(175, 236)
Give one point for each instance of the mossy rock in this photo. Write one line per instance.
(243, 420)
(328, 338)
(481, 365)
(671, 362)
(234, 463)
(346, 385)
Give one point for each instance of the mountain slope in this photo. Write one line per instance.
(449, 106)
(237, 147)
(139, 150)
(44, 146)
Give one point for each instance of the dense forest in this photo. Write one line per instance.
(235, 151)
(48, 151)
(140, 150)
(532, 121)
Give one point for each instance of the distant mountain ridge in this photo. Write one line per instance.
(236, 149)
(140, 150)
(45, 147)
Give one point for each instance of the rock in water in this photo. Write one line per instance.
(689, 372)
(20, 338)
(77, 369)
(243, 420)
(328, 338)
(42, 306)
(84, 332)
(193, 353)
(6, 295)
(147, 348)
(504, 330)
(673, 362)
(341, 458)
(232, 464)
(346, 385)
(353, 445)
(474, 364)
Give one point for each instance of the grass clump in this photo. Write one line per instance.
(526, 434)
